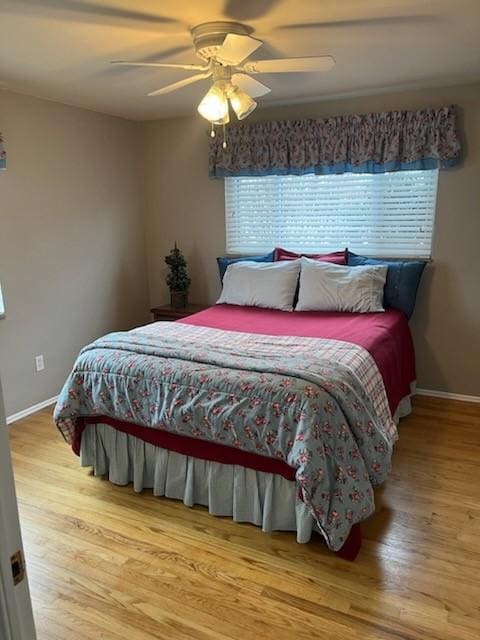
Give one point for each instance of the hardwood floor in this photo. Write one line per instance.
(105, 563)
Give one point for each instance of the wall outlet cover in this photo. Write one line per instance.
(39, 363)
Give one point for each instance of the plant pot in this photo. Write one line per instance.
(178, 299)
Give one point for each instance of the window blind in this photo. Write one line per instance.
(384, 215)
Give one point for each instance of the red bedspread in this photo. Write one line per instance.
(386, 336)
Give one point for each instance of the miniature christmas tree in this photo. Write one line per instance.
(177, 278)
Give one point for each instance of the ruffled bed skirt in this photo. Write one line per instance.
(263, 499)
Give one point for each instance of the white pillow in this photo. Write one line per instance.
(331, 287)
(261, 284)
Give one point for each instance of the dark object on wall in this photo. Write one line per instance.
(3, 153)
(177, 278)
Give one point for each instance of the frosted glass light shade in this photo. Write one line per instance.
(214, 106)
(242, 103)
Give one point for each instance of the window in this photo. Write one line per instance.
(384, 215)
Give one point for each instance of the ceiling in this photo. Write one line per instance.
(61, 49)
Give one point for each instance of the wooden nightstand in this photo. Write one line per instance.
(169, 313)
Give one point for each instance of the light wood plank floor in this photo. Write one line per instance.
(105, 563)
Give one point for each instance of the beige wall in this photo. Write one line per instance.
(183, 204)
(72, 263)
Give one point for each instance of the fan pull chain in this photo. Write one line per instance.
(224, 143)
(212, 132)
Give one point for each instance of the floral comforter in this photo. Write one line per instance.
(319, 405)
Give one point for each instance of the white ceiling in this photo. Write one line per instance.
(60, 49)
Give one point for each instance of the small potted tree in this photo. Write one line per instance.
(177, 278)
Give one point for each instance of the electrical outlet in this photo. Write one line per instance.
(39, 363)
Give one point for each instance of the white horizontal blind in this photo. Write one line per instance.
(384, 215)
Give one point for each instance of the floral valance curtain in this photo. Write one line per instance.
(3, 154)
(371, 143)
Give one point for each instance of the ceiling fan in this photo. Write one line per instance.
(225, 47)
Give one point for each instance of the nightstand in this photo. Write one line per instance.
(169, 313)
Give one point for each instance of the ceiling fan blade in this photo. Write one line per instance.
(253, 87)
(290, 65)
(236, 48)
(89, 11)
(178, 85)
(244, 10)
(165, 65)
(380, 21)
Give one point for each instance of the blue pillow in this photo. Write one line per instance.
(403, 278)
(223, 262)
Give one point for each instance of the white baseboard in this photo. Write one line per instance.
(27, 412)
(447, 395)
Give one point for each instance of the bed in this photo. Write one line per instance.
(286, 420)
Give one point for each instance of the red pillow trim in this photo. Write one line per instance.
(338, 257)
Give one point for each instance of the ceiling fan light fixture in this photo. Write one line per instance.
(241, 102)
(214, 106)
(225, 48)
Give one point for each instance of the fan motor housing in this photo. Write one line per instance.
(208, 37)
